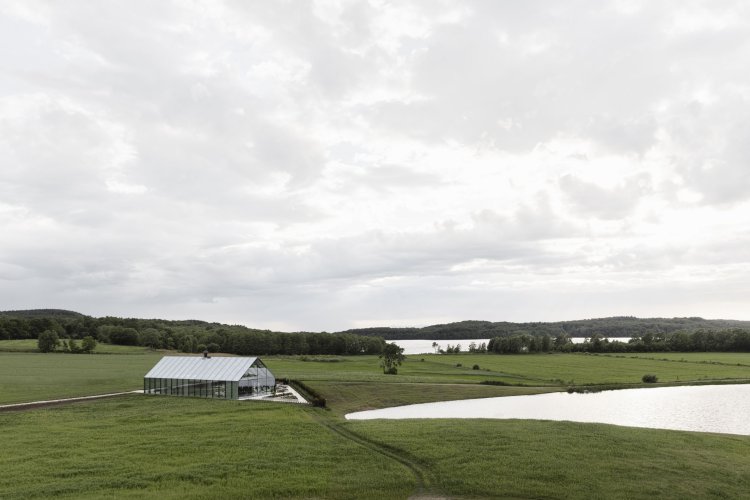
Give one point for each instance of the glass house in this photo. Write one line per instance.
(209, 377)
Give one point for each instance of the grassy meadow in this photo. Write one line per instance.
(31, 345)
(37, 376)
(538, 459)
(163, 447)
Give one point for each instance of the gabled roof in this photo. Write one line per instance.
(200, 368)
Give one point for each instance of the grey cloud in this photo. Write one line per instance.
(389, 177)
(711, 149)
(592, 200)
(376, 254)
(631, 135)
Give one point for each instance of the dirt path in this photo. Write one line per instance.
(423, 490)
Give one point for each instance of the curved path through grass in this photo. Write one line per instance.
(421, 475)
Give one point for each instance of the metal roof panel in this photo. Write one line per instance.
(200, 368)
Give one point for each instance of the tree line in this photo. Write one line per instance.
(727, 340)
(620, 326)
(648, 335)
(187, 336)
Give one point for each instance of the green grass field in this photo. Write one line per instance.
(30, 345)
(163, 447)
(347, 397)
(37, 376)
(599, 369)
(537, 459)
(726, 358)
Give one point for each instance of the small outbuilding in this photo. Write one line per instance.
(209, 377)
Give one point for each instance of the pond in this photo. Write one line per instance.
(706, 408)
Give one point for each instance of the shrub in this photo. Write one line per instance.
(123, 336)
(649, 379)
(315, 397)
(475, 367)
(391, 371)
(88, 344)
(459, 365)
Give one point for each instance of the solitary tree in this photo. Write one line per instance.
(88, 344)
(391, 357)
(48, 341)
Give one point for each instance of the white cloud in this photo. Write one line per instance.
(337, 164)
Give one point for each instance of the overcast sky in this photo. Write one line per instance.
(327, 165)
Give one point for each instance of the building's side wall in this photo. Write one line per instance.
(210, 389)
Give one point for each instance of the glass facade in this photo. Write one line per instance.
(213, 389)
(256, 380)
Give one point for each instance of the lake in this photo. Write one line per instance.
(706, 408)
(419, 346)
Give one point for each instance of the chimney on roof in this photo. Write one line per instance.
(205, 354)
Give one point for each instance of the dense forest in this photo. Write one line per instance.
(621, 326)
(727, 340)
(187, 336)
(646, 335)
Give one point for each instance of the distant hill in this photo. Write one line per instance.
(42, 313)
(619, 326)
(77, 325)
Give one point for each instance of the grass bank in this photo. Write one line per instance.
(537, 459)
(347, 397)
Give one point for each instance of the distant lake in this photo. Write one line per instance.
(420, 346)
(705, 408)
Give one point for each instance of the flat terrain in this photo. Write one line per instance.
(726, 358)
(537, 459)
(161, 447)
(33, 377)
(164, 447)
(31, 345)
(544, 369)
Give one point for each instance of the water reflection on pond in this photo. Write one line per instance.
(707, 408)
